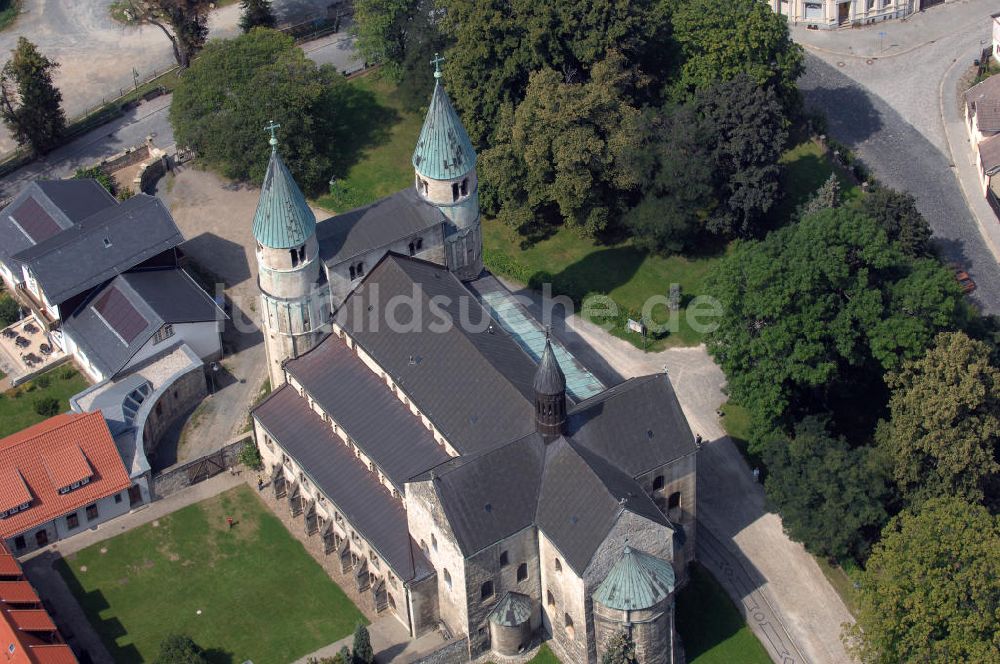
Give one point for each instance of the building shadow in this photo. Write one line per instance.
(218, 260)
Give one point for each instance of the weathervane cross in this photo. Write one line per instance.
(437, 65)
(272, 127)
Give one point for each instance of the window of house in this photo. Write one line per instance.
(454, 191)
(568, 622)
(163, 333)
(658, 483)
(413, 248)
(486, 590)
(91, 512)
(447, 579)
(522, 572)
(420, 243)
(674, 501)
(19, 542)
(465, 187)
(72, 521)
(118, 497)
(295, 257)
(361, 269)
(434, 542)
(550, 599)
(558, 565)
(504, 559)
(302, 254)
(352, 273)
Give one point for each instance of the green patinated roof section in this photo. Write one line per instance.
(511, 611)
(444, 151)
(283, 218)
(637, 581)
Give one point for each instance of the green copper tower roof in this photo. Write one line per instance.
(512, 611)
(283, 219)
(444, 151)
(637, 581)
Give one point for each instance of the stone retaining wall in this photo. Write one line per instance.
(177, 478)
(453, 652)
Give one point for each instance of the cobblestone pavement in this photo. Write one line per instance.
(780, 589)
(892, 111)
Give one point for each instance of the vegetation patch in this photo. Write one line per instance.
(9, 11)
(20, 406)
(192, 574)
(712, 629)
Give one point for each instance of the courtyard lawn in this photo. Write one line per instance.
(544, 656)
(246, 593)
(712, 629)
(17, 405)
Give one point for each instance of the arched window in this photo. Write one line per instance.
(550, 599)
(454, 191)
(423, 547)
(434, 542)
(658, 483)
(392, 602)
(568, 622)
(423, 183)
(558, 565)
(486, 590)
(420, 243)
(352, 273)
(295, 257)
(413, 248)
(522, 572)
(361, 269)
(465, 187)
(674, 502)
(447, 579)
(504, 559)
(302, 254)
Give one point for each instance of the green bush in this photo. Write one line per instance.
(43, 381)
(47, 406)
(250, 456)
(9, 311)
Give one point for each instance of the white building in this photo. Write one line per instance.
(825, 14)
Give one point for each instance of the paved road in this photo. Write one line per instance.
(783, 594)
(889, 110)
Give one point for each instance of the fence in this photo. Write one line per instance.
(180, 477)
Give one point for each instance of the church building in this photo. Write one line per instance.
(466, 472)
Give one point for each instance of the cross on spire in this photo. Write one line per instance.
(272, 127)
(437, 65)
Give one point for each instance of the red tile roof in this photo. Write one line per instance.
(9, 565)
(44, 456)
(27, 636)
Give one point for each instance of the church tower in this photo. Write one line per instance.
(550, 396)
(293, 294)
(445, 165)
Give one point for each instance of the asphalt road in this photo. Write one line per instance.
(904, 159)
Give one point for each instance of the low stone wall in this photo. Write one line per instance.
(128, 157)
(152, 171)
(453, 652)
(179, 477)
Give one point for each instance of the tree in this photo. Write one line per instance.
(897, 213)
(250, 456)
(96, 173)
(568, 154)
(362, 652)
(239, 85)
(30, 104)
(256, 14)
(830, 496)
(943, 434)
(827, 196)
(929, 592)
(722, 40)
(9, 311)
(744, 126)
(620, 649)
(383, 31)
(47, 406)
(184, 22)
(177, 649)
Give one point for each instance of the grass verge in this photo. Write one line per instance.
(842, 577)
(187, 573)
(712, 629)
(17, 405)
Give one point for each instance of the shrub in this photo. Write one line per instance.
(43, 381)
(47, 406)
(9, 311)
(250, 456)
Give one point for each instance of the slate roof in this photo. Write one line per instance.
(283, 218)
(332, 467)
(45, 208)
(985, 97)
(512, 611)
(27, 457)
(149, 299)
(101, 246)
(989, 154)
(636, 425)
(385, 221)
(637, 581)
(472, 381)
(444, 151)
(377, 421)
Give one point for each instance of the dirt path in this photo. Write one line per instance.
(730, 503)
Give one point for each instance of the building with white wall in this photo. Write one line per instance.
(826, 14)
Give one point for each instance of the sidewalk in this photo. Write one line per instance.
(898, 37)
(390, 642)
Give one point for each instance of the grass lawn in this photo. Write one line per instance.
(544, 656)
(841, 577)
(251, 592)
(712, 628)
(17, 405)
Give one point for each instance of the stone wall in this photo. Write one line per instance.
(145, 180)
(678, 476)
(179, 397)
(128, 157)
(568, 599)
(178, 477)
(453, 652)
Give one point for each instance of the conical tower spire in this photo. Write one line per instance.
(550, 395)
(444, 151)
(283, 219)
(549, 377)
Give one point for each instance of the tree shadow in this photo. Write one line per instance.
(599, 271)
(361, 124)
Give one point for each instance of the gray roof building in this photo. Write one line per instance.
(101, 246)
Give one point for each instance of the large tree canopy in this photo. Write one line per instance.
(930, 592)
(944, 432)
(183, 22)
(30, 104)
(237, 86)
(830, 496)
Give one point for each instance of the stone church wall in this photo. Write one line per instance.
(567, 591)
(651, 630)
(424, 605)
(678, 476)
